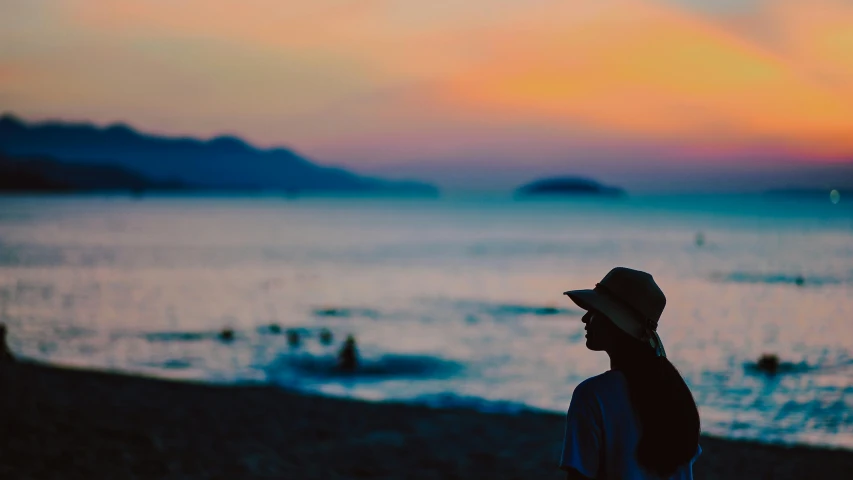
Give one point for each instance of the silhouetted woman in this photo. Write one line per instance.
(638, 420)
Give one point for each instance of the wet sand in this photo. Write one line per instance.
(62, 423)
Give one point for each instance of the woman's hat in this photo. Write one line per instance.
(631, 299)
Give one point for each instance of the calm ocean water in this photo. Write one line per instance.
(453, 301)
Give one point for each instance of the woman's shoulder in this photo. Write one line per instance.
(605, 382)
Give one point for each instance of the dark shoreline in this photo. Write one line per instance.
(66, 423)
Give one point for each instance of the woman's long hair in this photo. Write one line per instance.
(669, 419)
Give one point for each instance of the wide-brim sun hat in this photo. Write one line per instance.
(631, 300)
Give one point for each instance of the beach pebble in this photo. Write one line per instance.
(389, 438)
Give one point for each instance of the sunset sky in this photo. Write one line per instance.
(456, 90)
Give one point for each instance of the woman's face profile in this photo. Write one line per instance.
(597, 331)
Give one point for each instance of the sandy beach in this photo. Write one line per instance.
(63, 423)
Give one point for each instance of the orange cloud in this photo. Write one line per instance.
(655, 73)
(817, 38)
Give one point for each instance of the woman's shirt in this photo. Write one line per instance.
(602, 432)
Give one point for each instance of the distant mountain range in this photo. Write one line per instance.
(567, 186)
(223, 162)
(43, 174)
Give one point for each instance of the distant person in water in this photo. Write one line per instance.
(5, 354)
(638, 420)
(348, 355)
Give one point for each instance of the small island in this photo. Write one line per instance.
(567, 186)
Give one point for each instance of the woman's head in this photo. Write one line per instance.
(599, 330)
(633, 303)
(602, 334)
